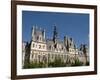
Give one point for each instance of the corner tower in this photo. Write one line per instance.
(38, 34)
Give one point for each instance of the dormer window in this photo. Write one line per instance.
(50, 47)
(62, 48)
(71, 39)
(55, 46)
(37, 37)
(40, 39)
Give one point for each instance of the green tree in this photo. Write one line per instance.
(77, 63)
(85, 52)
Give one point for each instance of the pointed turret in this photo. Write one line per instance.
(44, 33)
(33, 32)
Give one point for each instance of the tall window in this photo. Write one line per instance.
(37, 37)
(33, 45)
(43, 46)
(50, 47)
(40, 38)
(32, 55)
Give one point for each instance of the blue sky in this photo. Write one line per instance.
(74, 25)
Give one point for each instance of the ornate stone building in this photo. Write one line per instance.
(45, 50)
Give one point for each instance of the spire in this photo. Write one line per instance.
(55, 34)
(43, 32)
(36, 27)
(65, 38)
(33, 32)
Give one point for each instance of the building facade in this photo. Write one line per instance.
(41, 49)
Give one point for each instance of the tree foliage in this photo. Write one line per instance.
(58, 62)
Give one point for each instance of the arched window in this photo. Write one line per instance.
(39, 46)
(43, 46)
